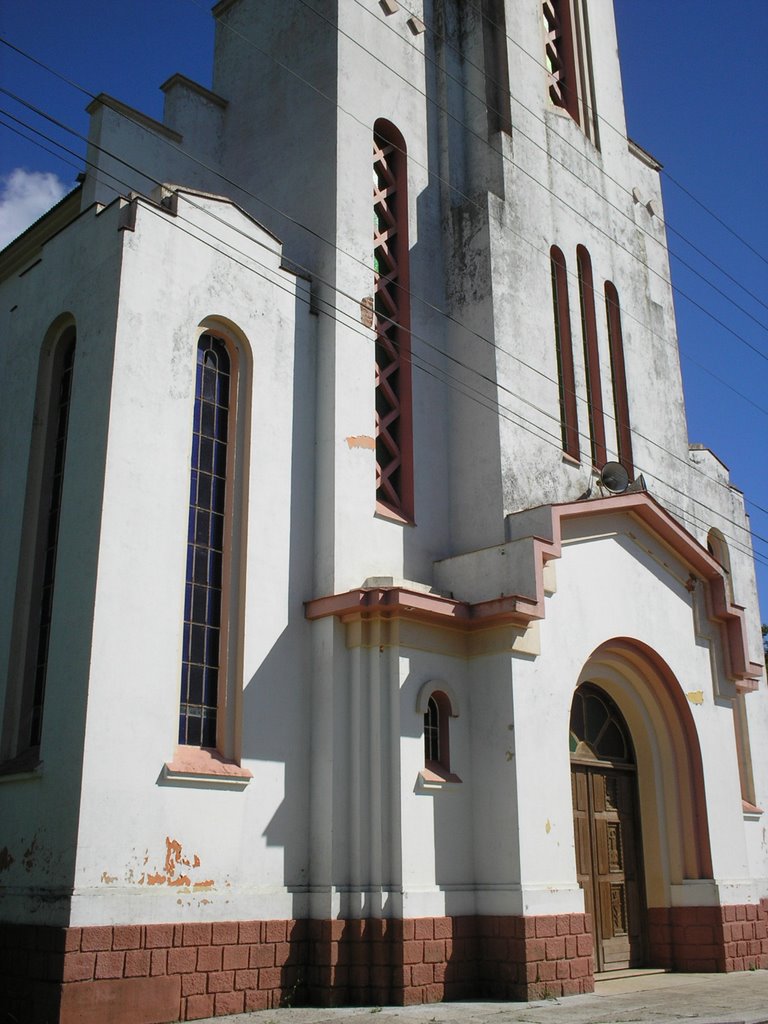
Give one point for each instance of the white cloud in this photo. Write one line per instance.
(24, 197)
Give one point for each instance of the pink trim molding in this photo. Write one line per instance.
(204, 762)
(402, 603)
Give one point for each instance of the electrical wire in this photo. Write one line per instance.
(425, 366)
(619, 131)
(257, 200)
(754, 348)
(326, 241)
(138, 171)
(582, 155)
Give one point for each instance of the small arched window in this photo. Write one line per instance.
(438, 707)
(717, 546)
(569, 420)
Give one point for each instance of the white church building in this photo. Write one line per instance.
(370, 630)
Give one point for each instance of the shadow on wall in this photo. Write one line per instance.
(277, 699)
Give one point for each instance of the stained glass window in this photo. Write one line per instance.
(59, 420)
(597, 729)
(432, 731)
(201, 660)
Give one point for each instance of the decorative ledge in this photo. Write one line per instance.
(435, 778)
(543, 527)
(204, 766)
(751, 810)
(402, 603)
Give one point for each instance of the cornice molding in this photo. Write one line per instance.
(400, 602)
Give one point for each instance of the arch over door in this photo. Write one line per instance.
(607, 829)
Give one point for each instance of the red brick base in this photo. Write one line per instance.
(141, 973)
(733, 938)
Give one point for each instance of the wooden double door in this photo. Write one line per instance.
(609, 862)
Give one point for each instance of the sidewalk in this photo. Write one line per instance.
(740, 998)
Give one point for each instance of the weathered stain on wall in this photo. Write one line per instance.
(177, 870)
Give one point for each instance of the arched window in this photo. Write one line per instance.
(568, 61)
(569, 421)
(598, 731)
(619, 377)
(591, 357)
(437, 706)
(394, 425)
(210, 499)
(435, 732)
(717, 546)
(26, 698)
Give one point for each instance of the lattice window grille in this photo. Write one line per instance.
(388, 327)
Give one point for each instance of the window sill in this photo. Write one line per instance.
(751, 810)
(385, 512)
(205, 767)
(23, 767)
(434, 777)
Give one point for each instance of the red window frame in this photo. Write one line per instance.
(394, 416)
(569, 418)
(591, 358)
(619, 376)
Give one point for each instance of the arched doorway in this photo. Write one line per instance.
(607, 829)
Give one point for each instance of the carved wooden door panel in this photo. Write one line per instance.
(607, 863)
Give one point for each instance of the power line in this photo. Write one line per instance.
(475, 334)
(430, 172)
(348, 255)
(754, 348)
(518, 131)
(599, 117)
(426, 367)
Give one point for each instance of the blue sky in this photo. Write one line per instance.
(695, 97)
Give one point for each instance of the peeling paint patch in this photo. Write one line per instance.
(172, 855)
(366, 311)
(173, 873)
(695, 696)
(361, 441)
(5, 859)
(548, 826)
(108, 879)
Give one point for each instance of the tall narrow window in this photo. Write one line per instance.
(619, 376)
(394, 442)
(569, 421)
(560, 55)
(203, 645)
(591, 357)
(497, 98)
(24, 708)
(568, 61)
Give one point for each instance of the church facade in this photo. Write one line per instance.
(371, 631)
